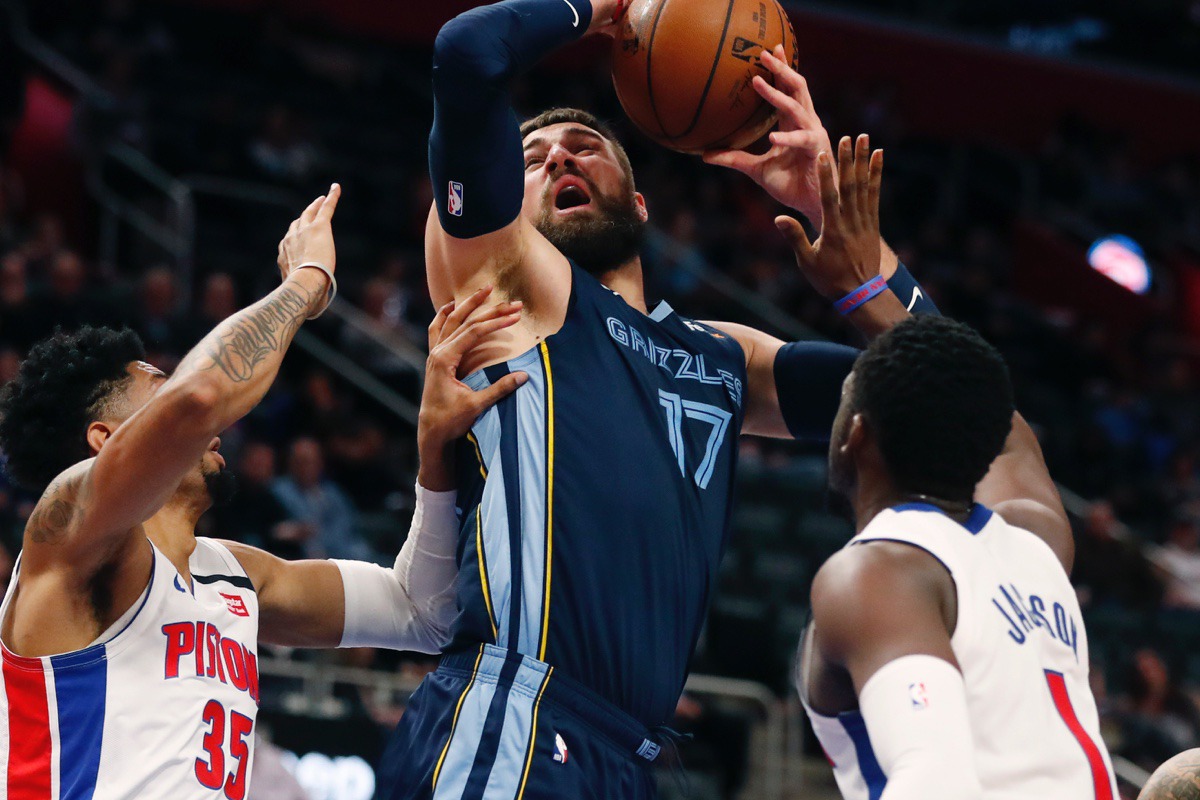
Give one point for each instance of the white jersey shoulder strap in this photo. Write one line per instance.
(929, 528)
(213, 561)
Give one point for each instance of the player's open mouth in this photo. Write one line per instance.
(571, 194)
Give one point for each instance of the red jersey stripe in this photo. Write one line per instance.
(1100, 777)
(29, 728)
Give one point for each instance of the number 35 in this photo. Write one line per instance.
(211, 771)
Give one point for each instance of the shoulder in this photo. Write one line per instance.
(872, 588)
(60, 506)
(754, 344)
(1047, 525)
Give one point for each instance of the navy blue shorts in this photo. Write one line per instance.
(497, 725)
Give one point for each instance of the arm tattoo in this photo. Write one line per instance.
(249, 338)
(51, 521)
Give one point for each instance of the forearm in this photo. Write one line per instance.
(237, 362)
(411, 606)
(915, 709)
(436, 470)
(475, 156)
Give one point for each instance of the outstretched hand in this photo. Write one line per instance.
(310, 236)
(788, 170)
(847, 254)
(448, 406)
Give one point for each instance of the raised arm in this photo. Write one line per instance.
(476, 233)
(90, 511)
(322, 603)
(1019, 488)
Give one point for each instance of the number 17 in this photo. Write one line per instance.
(677, 408)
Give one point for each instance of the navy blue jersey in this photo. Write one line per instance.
(597, 498)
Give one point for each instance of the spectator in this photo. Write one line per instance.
(18, 326)
(1109, 570)
(312, 499)
(1161, 719)
(382, 300)
(218, 301)
(255, 515)
(1180, 561)
(280, 152)
(66, 301)
(158, 321)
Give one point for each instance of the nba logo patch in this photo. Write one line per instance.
(236, 605)
(454, 203)
(916, 693)
(560, 749)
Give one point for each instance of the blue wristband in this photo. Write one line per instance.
(862, 294)
(910, 293)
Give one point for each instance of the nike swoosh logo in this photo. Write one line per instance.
(917, 295)
(574, 24)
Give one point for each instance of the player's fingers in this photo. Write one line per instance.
(862, 177)
(310, 213)
(484, 323)
(849, 205)
(829, 191)
(876, 182)
(793, 231)
(325, 212)
(494, 319)
(803, 140)
(463, 311)
(788, 79)
(486, 398)
(782, 102)
(439, 321)
(739, 160)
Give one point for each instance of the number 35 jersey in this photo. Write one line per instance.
(596, 498)
(162, 706)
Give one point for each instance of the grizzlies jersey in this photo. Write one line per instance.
(596, 499)
(162, 706)
(1020, 643)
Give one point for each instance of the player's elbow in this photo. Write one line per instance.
(196, 402)
(469, 54)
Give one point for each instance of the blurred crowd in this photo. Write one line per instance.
(326, 472)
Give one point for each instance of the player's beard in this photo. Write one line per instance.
(600, 240)
(221, 485)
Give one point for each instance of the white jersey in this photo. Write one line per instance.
(162, 706)
(1023, 652)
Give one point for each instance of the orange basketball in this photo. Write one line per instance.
(683, 69)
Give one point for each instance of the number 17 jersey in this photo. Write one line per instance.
(162, 706)
(596, 498)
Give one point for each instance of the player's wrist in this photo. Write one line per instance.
(318, 282)
(435, 472)
(847, 301)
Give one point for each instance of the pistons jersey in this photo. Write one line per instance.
(1020, 643)
(161, 706)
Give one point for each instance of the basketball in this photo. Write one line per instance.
(683, 70)
(1177, 779)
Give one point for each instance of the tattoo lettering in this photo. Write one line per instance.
(250, 338)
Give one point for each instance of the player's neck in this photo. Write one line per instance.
(627, 281)
(879, 494)
(173, 531)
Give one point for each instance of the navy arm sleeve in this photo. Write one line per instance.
(905, 287)
(809, 375)
(808, 379)
(475, 158)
